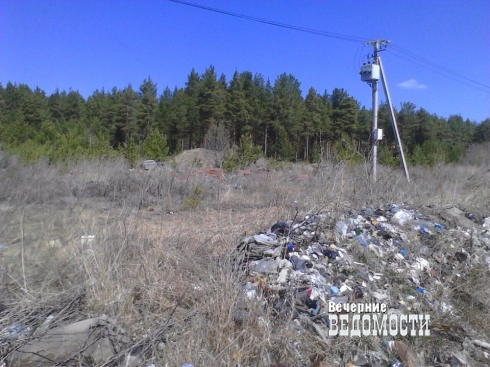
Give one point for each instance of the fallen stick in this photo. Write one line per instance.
(481, 344)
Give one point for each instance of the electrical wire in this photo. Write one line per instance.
(438, 72)
(434, 65)
(277, 24)
(359, 52)
(396, 50)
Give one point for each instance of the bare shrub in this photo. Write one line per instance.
(218, 140)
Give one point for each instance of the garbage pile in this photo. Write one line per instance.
(398, 261)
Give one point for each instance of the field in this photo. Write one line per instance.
(156, 252)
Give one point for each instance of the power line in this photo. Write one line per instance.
(277, 24)
(398, 51)
(432, 64)
(440, 72)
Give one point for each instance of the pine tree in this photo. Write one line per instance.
(315, 122)
(288, 108)
(235, 106)
(146, 107)
(211, 103)
(120, 116)
(262, 112)
(155, 146)
(130, 150)
(192, 89)
(482, 131)
(74, 106)
(344, 114)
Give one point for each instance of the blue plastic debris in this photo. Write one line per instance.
(394, 208)
(420, 289)
(362, 241)
(404, 252)
(314, 311)
(334, 290)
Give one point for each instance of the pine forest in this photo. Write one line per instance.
(245, 117)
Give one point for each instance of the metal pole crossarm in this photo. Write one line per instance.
(379, 44)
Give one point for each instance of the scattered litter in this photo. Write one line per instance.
(306, 270)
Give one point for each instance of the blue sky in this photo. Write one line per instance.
(89, 45)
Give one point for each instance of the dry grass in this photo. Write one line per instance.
(160, 268)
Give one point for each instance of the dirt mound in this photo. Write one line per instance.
(199, 158)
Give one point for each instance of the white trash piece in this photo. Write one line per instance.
(85, 240)
(402, 217)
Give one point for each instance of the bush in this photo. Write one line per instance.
(195, 199)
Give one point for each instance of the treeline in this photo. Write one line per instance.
(244, 117)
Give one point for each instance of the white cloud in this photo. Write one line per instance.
(411, 84)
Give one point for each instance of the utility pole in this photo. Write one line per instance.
(371, 73)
